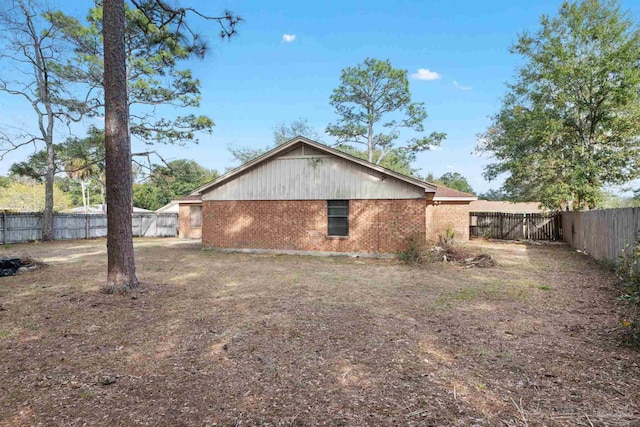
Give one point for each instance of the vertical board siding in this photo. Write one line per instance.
(604, 233)
(27, 227)
(515, 226)
(318, 178)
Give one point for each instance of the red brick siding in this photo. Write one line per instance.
(375, 226)
(451, 215)
(185, 231)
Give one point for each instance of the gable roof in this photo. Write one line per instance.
(429, 188)
(445, 193)
(173, 205)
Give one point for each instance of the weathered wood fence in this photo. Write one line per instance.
(27, 226)
(603, 233)
(515, 226)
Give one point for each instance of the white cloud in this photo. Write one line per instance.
(461, 87)
(450, 167)
(425, 74)
(288, 38)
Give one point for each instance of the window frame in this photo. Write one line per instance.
(191, 211)
(344, 204)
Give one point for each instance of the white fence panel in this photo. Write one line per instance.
(27, 227)
(602, 233)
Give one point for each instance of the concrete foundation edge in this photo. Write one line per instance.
(298, 252)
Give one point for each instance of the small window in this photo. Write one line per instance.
(338, 217)
(195, 217)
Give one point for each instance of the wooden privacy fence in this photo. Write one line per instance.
(27, 226)
(603, 233)
(515, 226)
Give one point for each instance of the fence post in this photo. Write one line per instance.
(5, 238)
(86, 226)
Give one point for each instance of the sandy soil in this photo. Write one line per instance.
(237, 340)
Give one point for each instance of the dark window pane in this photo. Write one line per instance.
(338, 217)
(338, 211)
(338, 226)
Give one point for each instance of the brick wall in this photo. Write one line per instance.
(185, 231)
(375, 226)
(451, 215)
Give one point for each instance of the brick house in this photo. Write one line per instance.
(189, 211)
(306, 196)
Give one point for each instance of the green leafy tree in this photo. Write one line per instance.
(397, 160)
(570, 123)
(27, 195)
(81, 159)
(172, 25)
(456, 181)
(33, 50)
(85, 158)
(154, 78)
(374, 104)
(453, 180)
(613, 201)
(167, 182)
(494, 195)
(35, 167)
(282, 133)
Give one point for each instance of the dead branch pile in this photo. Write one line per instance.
(462, 256)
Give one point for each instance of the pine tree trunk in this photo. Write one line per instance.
(121, 275)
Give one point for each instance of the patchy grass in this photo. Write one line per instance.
(214, 338)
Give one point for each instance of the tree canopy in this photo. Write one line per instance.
(453, 180)
(154, 53)
(33, 50)
(282, 133)
(373, 103)
(168, 182)
(495, 195)
(27, 195)
(570, 123)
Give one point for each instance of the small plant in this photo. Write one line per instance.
(545, 288)
(628, 270)
(416, 251)
(449, 236)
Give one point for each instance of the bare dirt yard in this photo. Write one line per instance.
(237, 340)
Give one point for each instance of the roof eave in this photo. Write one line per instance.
(454, 199)
(283, 147)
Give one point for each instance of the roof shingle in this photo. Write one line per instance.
(442, 191)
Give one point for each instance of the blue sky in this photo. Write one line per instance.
(259, 79)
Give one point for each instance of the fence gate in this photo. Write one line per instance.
(515, 226)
